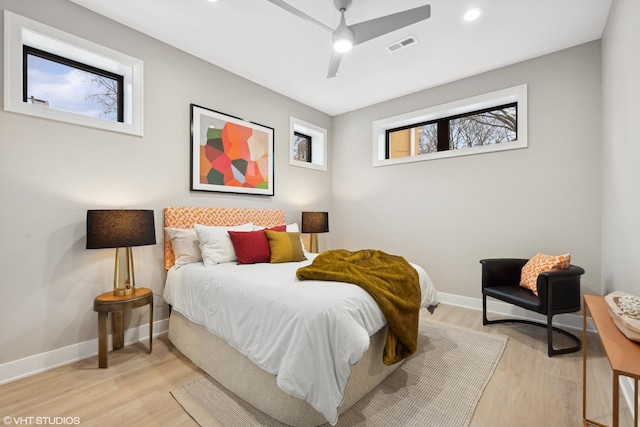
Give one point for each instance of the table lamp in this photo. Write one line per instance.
(315, 222)
(121, 228)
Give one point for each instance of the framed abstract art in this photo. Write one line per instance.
(230, 155)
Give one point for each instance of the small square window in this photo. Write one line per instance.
(308, 145)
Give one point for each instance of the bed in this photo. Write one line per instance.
(259, 336)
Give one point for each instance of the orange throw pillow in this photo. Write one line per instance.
(539, 264)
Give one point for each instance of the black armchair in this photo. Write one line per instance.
(558, 292)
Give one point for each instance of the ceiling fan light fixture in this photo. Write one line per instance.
(342, 45)
(342, 39)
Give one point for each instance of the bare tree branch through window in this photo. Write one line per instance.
(476, 129)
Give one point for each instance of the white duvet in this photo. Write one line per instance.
(308, 332)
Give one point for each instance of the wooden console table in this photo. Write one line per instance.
(622, 353)
(116, 305)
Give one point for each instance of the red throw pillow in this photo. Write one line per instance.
(252, 247)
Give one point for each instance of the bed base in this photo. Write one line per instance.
(257, 387)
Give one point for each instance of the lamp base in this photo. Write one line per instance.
(119, 292)
(313, 243)
(129, 280)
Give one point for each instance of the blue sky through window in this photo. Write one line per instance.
(66, 88)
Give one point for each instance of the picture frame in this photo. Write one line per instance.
(229, 154)
(302, 147)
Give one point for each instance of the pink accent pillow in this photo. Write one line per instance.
(252, 247)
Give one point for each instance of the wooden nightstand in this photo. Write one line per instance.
(116, 305)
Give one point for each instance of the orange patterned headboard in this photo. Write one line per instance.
(185, 217)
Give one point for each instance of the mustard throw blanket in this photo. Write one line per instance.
(389, 279)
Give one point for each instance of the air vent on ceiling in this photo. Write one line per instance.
(402, 44)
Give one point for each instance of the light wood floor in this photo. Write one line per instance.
(527, 389)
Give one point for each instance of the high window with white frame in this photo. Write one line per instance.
(492, 122)
(58, 76)
(308, 146)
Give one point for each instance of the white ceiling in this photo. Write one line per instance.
(272, 47)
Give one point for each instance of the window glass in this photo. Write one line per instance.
(62, 84)
(428, 138)
(486, 128)
(474, 129)
(301, 147)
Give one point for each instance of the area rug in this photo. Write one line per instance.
(439, 386)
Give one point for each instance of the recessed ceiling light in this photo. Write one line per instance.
(472, 14)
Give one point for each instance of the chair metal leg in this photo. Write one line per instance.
(552, 351)
(484, 309)
(549, 326)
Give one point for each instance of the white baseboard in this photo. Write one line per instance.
(570, 321)
(28, 366)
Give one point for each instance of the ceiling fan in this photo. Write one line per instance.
(345, 36)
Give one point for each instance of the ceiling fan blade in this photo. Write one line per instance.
(368, 30)
(334, 64)
(286, 6)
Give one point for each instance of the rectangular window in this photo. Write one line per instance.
(495, 121)
(63, 84)
(54, 75)
(479, 128)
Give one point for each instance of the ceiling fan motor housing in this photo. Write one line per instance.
(342, 39)
(342, 4)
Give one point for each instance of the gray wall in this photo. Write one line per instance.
(447, 214)
(621, 149)
(51, 173)
(444, 214)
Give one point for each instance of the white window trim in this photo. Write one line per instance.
(19, 30)
(515, 94)
(318, 144)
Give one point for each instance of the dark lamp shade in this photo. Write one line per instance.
(315, 222)
(120, 228)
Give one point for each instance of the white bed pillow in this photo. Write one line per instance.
(290, 227)
(185, 244)
(215, 243)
